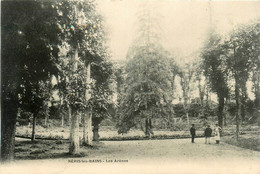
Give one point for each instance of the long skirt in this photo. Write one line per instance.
(217, 137)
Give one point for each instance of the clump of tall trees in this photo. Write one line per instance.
(229, 63)
(64, 40)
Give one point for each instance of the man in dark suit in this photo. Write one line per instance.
(193, 133)
(208, 132)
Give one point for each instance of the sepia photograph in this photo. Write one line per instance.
(130, 86)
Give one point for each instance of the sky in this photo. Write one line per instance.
(184, 24)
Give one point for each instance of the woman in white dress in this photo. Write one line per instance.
(217, 134)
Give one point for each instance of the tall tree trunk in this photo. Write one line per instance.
(207, 95)
(169, 120)
(9, 107)
(74, 127)
(61, 113)
(61, 102)
(95, 132)
(237, 108)
(221, 102)
(87, 124)
(87, 128)
(257, 93)
(201, 95)
(33, 127)
(243, 111)
(225, 113)
(237, 95)
(46, 120)
(243, 104)
(148, 127)
(69, 115)
(74, 132)
(70, 122)
(46, 116)
(187, 117)
(256, 84)
(62, 120)
(186, 111)
(35, 113)
(203, 111)
(224, 118)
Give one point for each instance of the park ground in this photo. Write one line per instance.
(142, 156)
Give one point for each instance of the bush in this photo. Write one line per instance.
(179, 126)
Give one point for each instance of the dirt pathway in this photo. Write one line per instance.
(150, 156)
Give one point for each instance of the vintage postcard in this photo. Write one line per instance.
(130, 86)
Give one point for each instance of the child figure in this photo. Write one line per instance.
(208, 132)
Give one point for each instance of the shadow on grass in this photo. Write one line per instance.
(63, 155)
(48, 149)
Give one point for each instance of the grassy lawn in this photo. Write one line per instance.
(106, 133)
(249, 137)
(47, 149)
(248, 141)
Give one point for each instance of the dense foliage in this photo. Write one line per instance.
(29, 50)
(147, 87)
(46, 39)
(228, 63)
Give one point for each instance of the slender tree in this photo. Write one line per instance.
(215, 69)
(254, 55)
(202, 85)
(186, 76)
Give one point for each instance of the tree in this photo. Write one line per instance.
(147, 88)
(254, 53)
(103, 90)
(202, 85)
(29, 48)
(215, 69)
(89, 70)
(241, 51)
(34, 98)
(186, 76)
(120, 75)
(102, 107)
(147, 91)
(71, 22)
(238, 64)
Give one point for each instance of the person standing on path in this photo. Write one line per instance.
(208, 132)
(217, 134)
(193, 133)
